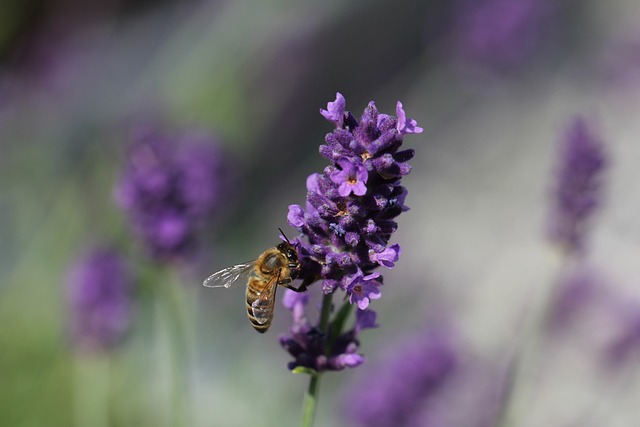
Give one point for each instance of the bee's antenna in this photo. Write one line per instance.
(284, 235)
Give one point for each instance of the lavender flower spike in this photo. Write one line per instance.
(578, 189)
(99, 294)
(312, 349)
(351, 206)
(172, 183)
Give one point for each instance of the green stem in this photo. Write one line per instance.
(325, 312)
(174, 316)
(91, 390)
(523, 361)
(311, 397)
(310, 401)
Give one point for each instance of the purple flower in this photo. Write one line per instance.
(295, 217)
(576, 291)
(388, 257)
(578, 189)
(170, 186)
(351, 206)
(365, 319)
(624, 347)
(361, 289)
(406, 126)
(399, 388)
(351, 178)
(501, 33)
(99, 295)
(313, 349)
(335, 110)
(296, 302)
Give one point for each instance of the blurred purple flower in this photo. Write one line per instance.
(500, 34)
(351, 206)
(398, 390)
(578, 189)
(575, 291)
(320, 351)
(170, 186)
(99, 294)
(620, 65)
(626, 342)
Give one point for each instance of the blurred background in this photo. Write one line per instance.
(534, 334)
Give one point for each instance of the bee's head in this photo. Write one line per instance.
(289, 251)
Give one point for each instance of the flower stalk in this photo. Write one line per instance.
(311, 397)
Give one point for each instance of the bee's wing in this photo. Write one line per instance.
(262, 307)
(228, 276)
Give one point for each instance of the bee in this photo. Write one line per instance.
(275, 266)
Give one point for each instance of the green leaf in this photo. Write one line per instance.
(337, 325)
(304, 370)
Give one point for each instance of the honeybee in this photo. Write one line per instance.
(275, 266)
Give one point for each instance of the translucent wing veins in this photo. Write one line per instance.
(228, 276)
(262, 307)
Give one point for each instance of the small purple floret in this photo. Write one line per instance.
(295, 216)
(362, 289)
(335, 110)
(406, 126)
(351, 178)
(387, 257)
(365, 319)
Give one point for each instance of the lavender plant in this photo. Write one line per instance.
(100, 300)
(347, 223)
(578, 189)
(577, 192)
(170, 186)
(575, 197)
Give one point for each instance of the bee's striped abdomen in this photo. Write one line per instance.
(263, 308)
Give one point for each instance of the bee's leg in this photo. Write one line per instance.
(301, 288)
(284, 282)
